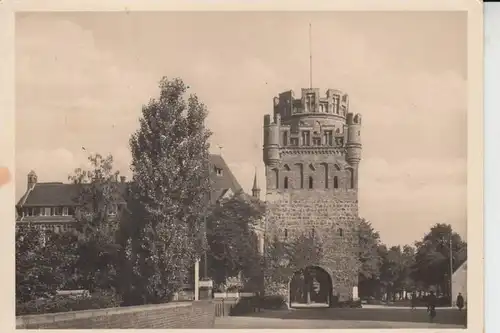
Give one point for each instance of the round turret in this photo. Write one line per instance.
(353, 144)
(271, 140)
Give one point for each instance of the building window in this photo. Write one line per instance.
(335, 105)
(286, 234)
(218, 171)
(310, 182)
(325, 169)
(65, 211)
(294, 141)
(56, 211)
(301, 174)
(277, 178)
(285, 138)
(285, 182)
(317, 141)
(306, 138)
(341, 232)
(335, 182)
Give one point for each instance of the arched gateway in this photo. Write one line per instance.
(311, 285)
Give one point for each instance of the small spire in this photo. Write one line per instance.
(255, 187)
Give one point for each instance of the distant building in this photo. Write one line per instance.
(459, 280)
(52, 205)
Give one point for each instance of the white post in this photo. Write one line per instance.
(197, 279)
(355, 293)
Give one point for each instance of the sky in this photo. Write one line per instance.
(82, 78)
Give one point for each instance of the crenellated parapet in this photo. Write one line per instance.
(312, 124)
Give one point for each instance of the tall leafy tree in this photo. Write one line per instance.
(232, 242)
(97, 213)
(370, 259)
(432, 258)
(170, 171)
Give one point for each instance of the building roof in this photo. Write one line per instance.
(61, 194)
(222, 183)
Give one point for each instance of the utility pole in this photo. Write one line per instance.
(451, 269)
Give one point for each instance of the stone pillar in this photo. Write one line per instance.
(197, 279)
(355, 293)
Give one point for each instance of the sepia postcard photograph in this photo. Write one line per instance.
(260, 169)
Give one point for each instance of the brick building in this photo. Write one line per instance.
(52, 205)
(312, 151)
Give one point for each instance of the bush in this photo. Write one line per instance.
(271, 302)
(65, 304)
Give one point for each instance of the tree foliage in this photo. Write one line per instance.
(285, 257)
(170, 167)
(392, 270)
(44, 262)
(232, 241)
(432, 257)
(97, 221)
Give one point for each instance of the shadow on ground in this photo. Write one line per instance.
(444, 316)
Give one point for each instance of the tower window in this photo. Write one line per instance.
(285, 182)
(341, 232)
(277, 177)
(335, 182)
(317, 141)
(325, 169)
(286, 234)
(310, 182)
(294, 141)
(285, 138)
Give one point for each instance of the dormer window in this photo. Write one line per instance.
(218, 171)
(65, 211)
(113, 209)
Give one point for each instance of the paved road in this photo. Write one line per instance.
(344, 318)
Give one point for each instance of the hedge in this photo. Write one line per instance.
(65, 304)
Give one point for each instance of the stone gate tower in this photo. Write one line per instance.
(312, 150)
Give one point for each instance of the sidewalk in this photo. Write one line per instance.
(377, 306)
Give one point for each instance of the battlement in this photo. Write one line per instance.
(334, 103)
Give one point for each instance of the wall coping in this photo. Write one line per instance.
(46, 318)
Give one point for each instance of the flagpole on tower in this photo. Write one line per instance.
(310, 56)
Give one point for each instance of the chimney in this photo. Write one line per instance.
(122, 179)
(32, 179)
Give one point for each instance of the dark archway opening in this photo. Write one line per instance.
(311, 285)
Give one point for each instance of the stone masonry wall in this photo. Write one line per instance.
(333, 213)
(199, 314)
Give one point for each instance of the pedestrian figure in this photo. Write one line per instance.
(413, 300)
(460, 301)
(431, 306)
